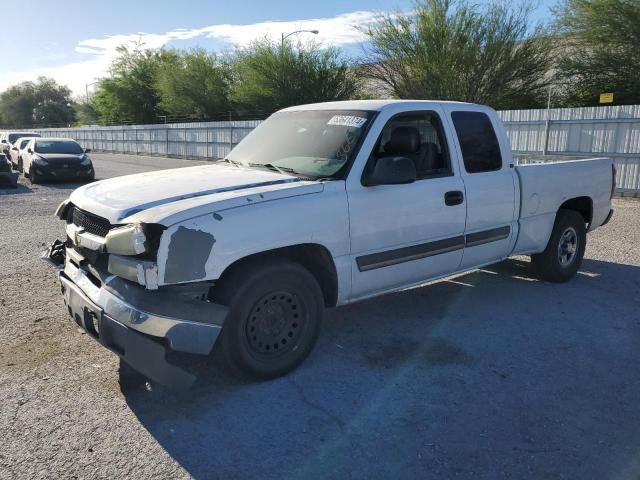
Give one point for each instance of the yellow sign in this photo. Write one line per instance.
(606, 98)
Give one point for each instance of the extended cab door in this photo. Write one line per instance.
(490, 183)
(408, 233)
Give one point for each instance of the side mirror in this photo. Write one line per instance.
(87, 150)
(14, 148)
(29, 150)
(391, 171)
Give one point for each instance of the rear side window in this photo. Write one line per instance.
(478, 141)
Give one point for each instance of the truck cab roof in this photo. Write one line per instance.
(372, 105)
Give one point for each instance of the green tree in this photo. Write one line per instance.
(269, 76)
(53, 103)
(86, 113)
(601, 50)
(40, 103)
(194, 84)
(17, 104)
(456, 51)
(129, 94)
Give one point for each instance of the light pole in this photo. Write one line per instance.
(86, 88)
(283, 36)
(546, 125)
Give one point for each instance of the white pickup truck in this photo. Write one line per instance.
(320, 206)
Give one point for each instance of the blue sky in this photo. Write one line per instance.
(74, 40)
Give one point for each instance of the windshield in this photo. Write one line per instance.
(23, 143)
(14, 136)
(58, 146)
(312, 143)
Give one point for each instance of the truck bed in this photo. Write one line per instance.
(545, 185)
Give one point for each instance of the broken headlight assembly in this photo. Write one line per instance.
(134, 239)
(132, 249)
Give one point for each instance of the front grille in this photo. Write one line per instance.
(90, 222)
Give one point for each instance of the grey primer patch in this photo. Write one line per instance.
(188, 252)
(217, 216)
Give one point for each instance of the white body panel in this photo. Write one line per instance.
(216, 215)
(388, 217)
(546, 186)
(491, 197)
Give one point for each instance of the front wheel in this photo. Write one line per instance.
(563, 256)
(33, 176)
(275, 313)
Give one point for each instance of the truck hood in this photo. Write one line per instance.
(121, 197)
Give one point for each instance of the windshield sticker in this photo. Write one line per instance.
(347, 121)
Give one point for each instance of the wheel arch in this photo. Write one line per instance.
(313, 256)
(582, 205)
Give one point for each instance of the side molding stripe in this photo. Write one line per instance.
(415, 252)
(406, 254)
(487, 236)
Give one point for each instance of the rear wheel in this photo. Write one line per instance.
(275, 313)
(563, 256)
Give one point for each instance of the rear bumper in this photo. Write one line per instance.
(606, 220)
(141, 325)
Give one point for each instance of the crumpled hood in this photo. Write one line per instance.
(121, 197)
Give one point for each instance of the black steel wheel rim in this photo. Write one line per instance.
(275, 324)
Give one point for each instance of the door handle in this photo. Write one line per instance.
(455, 197)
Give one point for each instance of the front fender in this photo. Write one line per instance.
(201, 248)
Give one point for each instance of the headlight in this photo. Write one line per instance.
(133, 239)
(38, 160)
(63, 208)
(86, 161)
(127, 240)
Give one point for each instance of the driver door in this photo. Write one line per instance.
(409, 233)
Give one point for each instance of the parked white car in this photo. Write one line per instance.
(16, 151)
(320, 206)
(8, 138)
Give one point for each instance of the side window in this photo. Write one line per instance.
(418, 136)
(478, 141)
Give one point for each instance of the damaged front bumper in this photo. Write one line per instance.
(139, 325)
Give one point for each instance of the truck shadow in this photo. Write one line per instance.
(442, 379)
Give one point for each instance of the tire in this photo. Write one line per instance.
(20, 165)
(563, 256)
(33, 176)
(275, 313)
